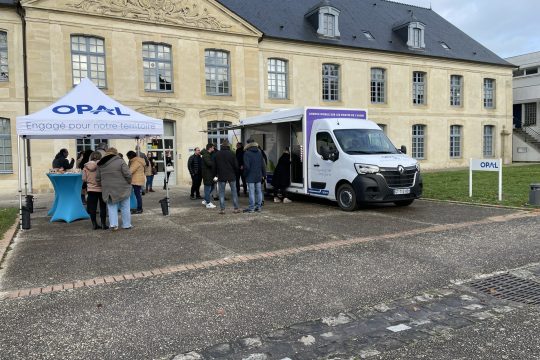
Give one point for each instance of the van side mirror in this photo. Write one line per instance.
(333, 156)
(403, 149)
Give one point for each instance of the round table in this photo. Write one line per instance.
(67, 204)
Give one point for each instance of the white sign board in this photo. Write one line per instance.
(486, 165)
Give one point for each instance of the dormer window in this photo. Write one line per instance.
(328, 22)
(412, 32)
(329, 25)
(416, 35)
(325, 18)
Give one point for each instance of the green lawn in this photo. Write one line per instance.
(454, 185)
(7, 218)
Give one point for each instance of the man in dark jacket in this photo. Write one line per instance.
(254, 171)
(208, 174)
(281, 179)
(226, 168)
(195, 170)
(61, 162)
(240, 174)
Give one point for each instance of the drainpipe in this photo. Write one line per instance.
(26, 142)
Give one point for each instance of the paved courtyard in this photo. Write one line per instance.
(190, 284)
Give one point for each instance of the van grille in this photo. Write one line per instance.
(396, 180)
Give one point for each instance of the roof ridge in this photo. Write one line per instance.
(400, 3)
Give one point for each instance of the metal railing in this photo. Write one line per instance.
(530, 131)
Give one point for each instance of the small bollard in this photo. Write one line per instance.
(30, 203)
(25, 218)
(164, 206)
(534, 195)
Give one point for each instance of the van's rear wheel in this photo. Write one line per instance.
(346, 197)
(404, 202)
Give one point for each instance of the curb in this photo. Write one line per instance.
(533, 209)
(7, 239)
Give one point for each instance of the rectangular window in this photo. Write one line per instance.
(488, 141)
(89, 144)
(329, 25)
(418, 141)
(157, 67)
(277, 79)
(489, 93)
(378, 86)
(455, 141)
(88, 60)
(330, 82)
(216, 132)
(530, 114)
(455, 90)
(4, 73)
(6, 159)
(418, 89)
(217, 72)
(417, 37)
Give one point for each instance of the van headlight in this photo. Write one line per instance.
(418, 167)
(363, 169)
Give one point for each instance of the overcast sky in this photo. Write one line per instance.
(506, 27)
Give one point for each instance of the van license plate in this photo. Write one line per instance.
(402, 191)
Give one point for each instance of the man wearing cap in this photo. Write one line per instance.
(227, 168)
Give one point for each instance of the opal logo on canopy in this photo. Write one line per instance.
(81, 109)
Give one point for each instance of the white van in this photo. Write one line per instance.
(336, 154)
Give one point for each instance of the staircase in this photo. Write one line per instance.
(529, 135)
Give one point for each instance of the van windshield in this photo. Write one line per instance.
(364, 141)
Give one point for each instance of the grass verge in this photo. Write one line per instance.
(454, 185)
(7, 218)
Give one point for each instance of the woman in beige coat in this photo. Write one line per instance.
(136, 166)
(94, 192)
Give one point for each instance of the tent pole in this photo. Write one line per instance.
(19, 158)
(25, 170)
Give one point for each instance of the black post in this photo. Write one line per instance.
(25, 218)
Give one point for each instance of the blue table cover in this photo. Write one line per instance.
(67, 204)
(132, 200)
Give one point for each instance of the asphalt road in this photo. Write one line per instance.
(397, 252)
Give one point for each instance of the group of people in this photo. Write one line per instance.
(212, 167)
(108, 182)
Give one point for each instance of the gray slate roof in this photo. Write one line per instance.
(8, 2)
(284, 19)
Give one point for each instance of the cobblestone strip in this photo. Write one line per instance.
(368, 332)
(252, 257)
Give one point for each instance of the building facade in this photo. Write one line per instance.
(203, 64)
(526, 95)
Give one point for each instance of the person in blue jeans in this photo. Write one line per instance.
(255, 172)
(115, 178)
(208, 174)
(226, 169)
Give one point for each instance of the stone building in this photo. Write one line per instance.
(203, 64)
(526, 84)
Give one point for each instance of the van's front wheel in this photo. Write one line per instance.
(346, 197)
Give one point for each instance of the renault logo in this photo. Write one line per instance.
(400, 169)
